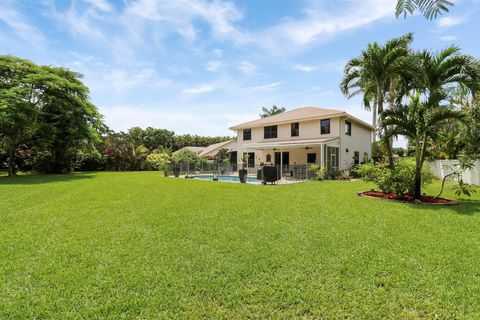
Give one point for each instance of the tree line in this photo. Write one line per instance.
(122, 151)
(49, 125)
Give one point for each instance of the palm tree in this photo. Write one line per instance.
(446, 68)
(419, 124)
(374, 72)
(139, 155)
(429, 8)
(421, 121)
(356, 80)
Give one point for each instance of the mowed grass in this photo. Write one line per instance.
(140, 246)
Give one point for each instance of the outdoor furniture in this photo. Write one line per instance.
(269, 174)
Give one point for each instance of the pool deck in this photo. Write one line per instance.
(279, 182)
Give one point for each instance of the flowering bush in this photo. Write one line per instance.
(158, 161)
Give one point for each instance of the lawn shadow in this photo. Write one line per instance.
(44, 179)
(464, 207)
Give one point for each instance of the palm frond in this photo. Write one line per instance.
(429, 8)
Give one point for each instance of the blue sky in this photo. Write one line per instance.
(199, 66)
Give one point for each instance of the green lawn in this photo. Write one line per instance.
(136, 245)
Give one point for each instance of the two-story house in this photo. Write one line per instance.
(308, 135)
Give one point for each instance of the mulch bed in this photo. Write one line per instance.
(407, 198)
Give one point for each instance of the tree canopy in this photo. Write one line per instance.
(46, 108)
(267, 112)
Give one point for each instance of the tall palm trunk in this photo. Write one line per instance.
(391, 98)
(385, 139)
(389, 141)
(374, 119)
(420, 157)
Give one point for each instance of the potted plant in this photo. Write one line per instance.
(176, 170)
(242, 173)
(184, 156)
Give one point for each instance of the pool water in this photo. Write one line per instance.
(226, 178)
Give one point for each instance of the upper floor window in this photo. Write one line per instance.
(247, 134)
(270, 132)
(348, 128)
(295, 131)
(325, 126)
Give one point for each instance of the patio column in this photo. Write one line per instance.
(281, 163)
(322, 157)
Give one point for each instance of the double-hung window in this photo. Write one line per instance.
(247, 134)
(295, 129)
(348, 128)
(325, 126)
(270, 132)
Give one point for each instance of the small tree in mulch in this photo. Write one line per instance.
(464, 163)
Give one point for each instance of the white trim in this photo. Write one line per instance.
(293, 144)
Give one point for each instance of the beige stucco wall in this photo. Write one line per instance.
(360, 140)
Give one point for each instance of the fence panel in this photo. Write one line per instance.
(441, 168)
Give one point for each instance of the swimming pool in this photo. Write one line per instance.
(226, 178)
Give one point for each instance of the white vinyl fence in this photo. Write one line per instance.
(441, 168)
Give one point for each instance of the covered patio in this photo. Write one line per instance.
(294, 155)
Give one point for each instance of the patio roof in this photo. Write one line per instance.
(289, 143)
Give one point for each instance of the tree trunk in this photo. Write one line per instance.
(10, 162)
(386, 141)
(388, 147)
(420, 156)
(374, 119)
(418, 178)
(380, 102)
(391, 98)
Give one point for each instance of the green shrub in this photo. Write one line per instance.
(400, 180)
(186, 156)
(319, 172)
(158, 161)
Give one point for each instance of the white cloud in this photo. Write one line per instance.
(102, 5)
(448, 38)
(21, 26)
(144, 25)
(198, 89)
(82, 18)
(267, 86)
(183, 121)
(304, 68)
(217, 53)
(102, 77)
(320, 23)
(219, 15)
(213, 65)
(247, 67)
(187, 31)
(447, 22)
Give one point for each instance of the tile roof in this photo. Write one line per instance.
(304, 113)
(213, 147)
